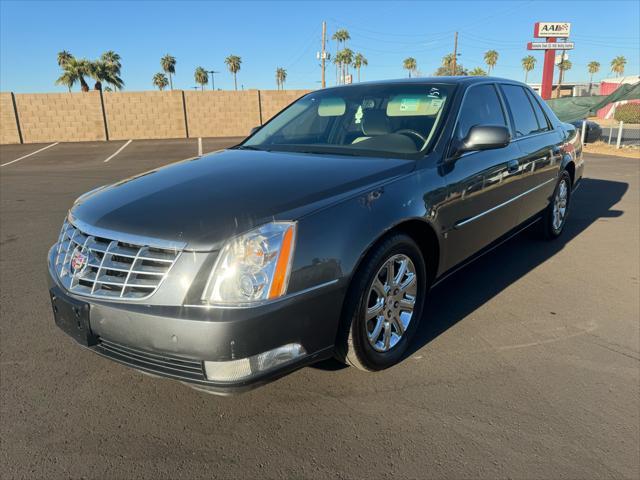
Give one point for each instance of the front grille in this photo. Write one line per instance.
(103, 267)
(161, 364)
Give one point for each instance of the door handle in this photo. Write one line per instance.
(513, 166)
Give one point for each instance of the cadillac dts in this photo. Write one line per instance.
(317, 236)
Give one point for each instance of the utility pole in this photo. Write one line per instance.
(455, 54)
(323, 53)
(212, 73)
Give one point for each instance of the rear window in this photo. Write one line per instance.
(524, 118)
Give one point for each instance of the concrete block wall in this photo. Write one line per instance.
(137, 115)
(272, 101)
(61, 117)
(222, 113)
(85, 116)
(8, 124)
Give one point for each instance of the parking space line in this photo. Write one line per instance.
(118, 151)
(29, 154)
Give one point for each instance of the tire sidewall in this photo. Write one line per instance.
(367, 355)
(552, 232)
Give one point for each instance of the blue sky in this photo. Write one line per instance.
(271, 34)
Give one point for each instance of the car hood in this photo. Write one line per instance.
(203, 202)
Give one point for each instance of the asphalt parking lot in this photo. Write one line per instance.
(527, 364)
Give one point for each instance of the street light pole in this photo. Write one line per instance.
(212, 73)
(455, 54)
(323, 55)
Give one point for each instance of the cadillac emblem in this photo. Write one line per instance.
(79, 261)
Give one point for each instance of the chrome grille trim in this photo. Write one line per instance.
(115, 268)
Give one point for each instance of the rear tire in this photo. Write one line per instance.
(383, 306)
(555, 215)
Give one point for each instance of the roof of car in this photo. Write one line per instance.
(465, 80)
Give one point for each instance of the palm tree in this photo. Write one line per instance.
(112, 61)
(359, 61)
(410, 64)
(233, 63)
(446, 67)
(528, 64)
(74, 70)
(617, 65)
(160, 80)
(478, 72)
(281, 77)
(168, 64)
(491, 58)
(563, 66)
(63, 57)
(340, 36)
(101, 72)
(337, 61)
(201, 77)
(593, 67)
(346, 60)
(447, 63)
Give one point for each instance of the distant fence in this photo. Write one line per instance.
(94, 116)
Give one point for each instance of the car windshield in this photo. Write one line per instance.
(392, 120)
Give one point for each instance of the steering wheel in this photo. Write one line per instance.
(415, 135)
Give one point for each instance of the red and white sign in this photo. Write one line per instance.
(551, 30)
(550, 46)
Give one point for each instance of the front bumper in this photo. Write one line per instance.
(175, 341)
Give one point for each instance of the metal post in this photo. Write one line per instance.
(547, 71)
(199, 146)
(610, 134)
(323, 55)
(584, 131)
(619, 134)
(455, 54)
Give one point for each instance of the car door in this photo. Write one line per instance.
(539, 147)
(480, 184)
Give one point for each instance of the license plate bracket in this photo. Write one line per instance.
(72, 317)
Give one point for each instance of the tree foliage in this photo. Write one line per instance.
(410, 64)
(168, 65)
(491, 58)
(160, 81)
(233, 63)
(617, 65)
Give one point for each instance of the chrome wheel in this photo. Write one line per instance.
(560, 203)
(390, 302)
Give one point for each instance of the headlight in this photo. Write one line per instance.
(253, 267)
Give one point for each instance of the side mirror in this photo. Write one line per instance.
(254, 130)
(484, 137)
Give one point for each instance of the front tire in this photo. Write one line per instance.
(555, 216)
(384, 305)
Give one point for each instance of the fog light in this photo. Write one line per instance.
(236, 370)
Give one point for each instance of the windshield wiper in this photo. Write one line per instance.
(249, 147)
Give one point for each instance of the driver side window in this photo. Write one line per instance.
(481, 107)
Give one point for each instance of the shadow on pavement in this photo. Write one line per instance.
(465, 291)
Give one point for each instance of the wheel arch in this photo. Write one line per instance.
(569, 165)
(425, 236)
(422, 232)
